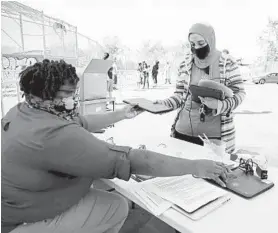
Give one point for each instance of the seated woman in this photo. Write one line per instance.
(198, 116)
(50, 159)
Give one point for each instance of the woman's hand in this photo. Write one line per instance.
(210, 102)
(213, 170)
(131, 111)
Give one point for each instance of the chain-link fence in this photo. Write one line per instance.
(28, 36)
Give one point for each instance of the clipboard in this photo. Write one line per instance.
(246, 186)
(148, 105)
(206, 92)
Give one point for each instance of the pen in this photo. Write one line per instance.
(205, 136)
(201, 138)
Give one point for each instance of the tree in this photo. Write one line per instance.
(152, 51)
(268, 41)
(113, 46)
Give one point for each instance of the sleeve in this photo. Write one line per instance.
(237, 86)
(73, 150)
(182, 83)
(81, 120)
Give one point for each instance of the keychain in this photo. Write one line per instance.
(202, 112)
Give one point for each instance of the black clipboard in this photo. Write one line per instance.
(246, 185)
(148, 105)
(197, 91)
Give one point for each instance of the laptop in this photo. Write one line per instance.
(246, 185)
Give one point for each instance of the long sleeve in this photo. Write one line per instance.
(182, 84)
(98, 121)
(236, 84)
(73, 150)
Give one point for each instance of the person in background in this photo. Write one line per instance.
(50, 159)
(146, 70)
(155, 72)
(206, 62)
(110, 82)
(109, 79)
(167, 73)
(105, 56)
(115, 74)
(140, 75)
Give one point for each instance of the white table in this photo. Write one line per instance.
(257, 215)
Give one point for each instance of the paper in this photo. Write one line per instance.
(185, 191)
(204, 211)
(155, 204)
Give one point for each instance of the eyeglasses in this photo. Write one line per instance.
(248, 167)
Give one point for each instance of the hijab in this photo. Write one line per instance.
(212, 59)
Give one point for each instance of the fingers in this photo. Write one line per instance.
(220, 166)
(219, 181)
(139, 111)
(133, 105)
(221, 171)
(224, 172)
(224, 175)
(230, 174)
(202, 99)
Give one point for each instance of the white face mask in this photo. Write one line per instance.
(71, 103)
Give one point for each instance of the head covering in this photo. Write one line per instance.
(207, 32)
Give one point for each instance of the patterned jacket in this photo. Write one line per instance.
(229, 76)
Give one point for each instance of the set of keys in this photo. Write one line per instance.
(202, 112)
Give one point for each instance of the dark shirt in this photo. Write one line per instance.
(48, 164)
(155, 70)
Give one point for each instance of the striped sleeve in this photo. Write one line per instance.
(182, 81)
(237, 86)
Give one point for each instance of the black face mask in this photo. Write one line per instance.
(201, 53)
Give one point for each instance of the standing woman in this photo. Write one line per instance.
(167, 73)
(146, 70)
(206, 62)
(155, 72)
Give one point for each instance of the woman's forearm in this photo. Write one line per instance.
(150, 163)
(102, 120)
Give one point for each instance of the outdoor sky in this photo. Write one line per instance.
(237, 22)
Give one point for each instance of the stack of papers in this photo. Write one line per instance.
(194, 197)
(154, 203)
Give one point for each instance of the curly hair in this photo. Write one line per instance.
(44, 79)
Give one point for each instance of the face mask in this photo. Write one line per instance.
(68, 104)
(201, 53)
